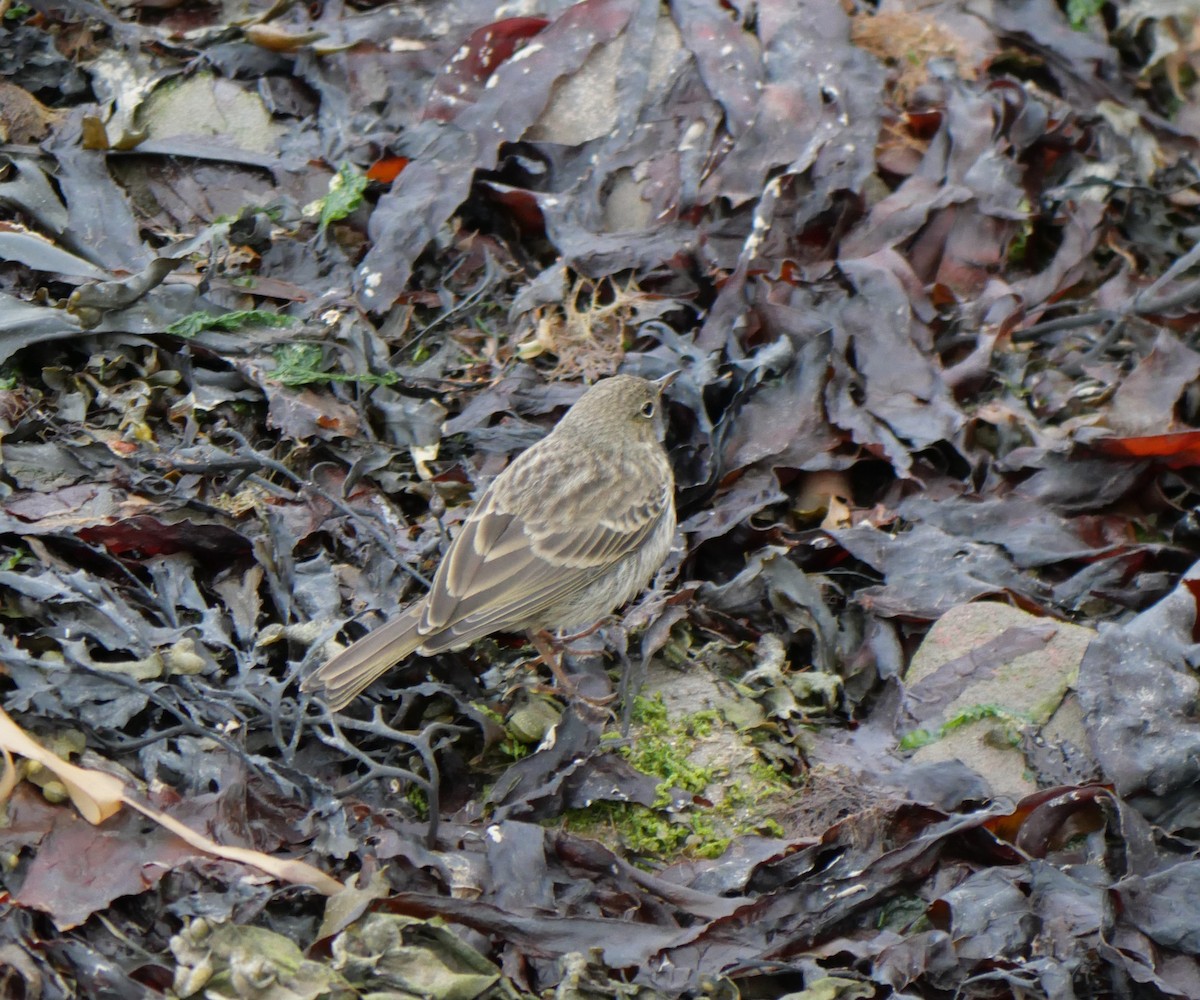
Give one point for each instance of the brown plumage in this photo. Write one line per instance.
(573, 528)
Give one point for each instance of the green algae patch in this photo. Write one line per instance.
(731, 790)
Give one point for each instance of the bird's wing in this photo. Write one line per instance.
(531, 544)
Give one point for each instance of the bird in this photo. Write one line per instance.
(573, 528)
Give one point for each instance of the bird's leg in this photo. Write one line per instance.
(545, 644)
(566, 640)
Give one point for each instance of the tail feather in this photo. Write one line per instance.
(344, 677)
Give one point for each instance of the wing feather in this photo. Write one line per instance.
(522, 551)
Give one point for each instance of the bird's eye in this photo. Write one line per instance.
(648, 408)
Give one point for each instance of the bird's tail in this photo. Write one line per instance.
(342, 679)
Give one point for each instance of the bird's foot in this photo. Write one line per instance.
(565, 685)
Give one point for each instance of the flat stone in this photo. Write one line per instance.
(209, 106)
(1035, 685)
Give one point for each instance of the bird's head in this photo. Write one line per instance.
(623, 407)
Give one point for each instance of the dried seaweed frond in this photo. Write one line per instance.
(586, 332)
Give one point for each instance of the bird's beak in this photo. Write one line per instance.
(665, 382)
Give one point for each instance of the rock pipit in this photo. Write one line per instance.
(572, 529)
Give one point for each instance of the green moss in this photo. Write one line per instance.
(488, 712)
(651, 713)
(742, 806)
(649, 833)
(738, 796)
(770, 777)
(704, 840)
(700, 724)
(1013, 721)
(663, 747)
(918, 738)
(772, 828)
(1080, 11)
(660, 757)
(514, 749)
(416, 797)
